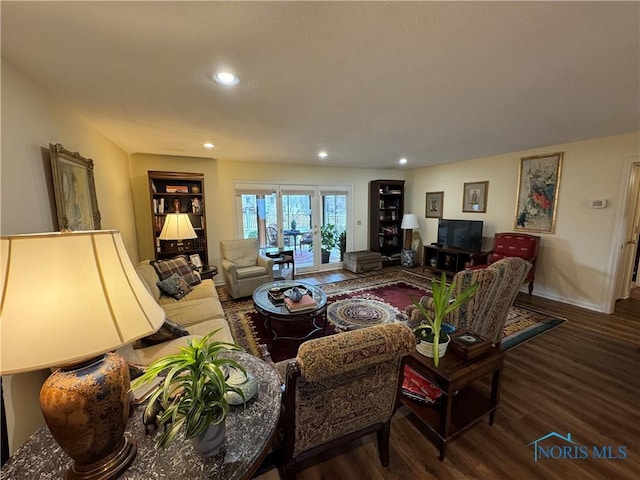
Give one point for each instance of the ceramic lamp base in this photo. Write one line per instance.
(86, 409)
(408, 258)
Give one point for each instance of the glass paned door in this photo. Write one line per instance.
(258, 212)
(311, 221)
(298, 220)
(333, 232)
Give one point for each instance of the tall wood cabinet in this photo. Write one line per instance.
(184, 192)
(386, 204)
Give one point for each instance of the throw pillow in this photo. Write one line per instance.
(168, 331)
(175, 285)
(179, 265)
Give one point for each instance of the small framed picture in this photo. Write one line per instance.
(195, 260)
(474, 198)
(434, 205)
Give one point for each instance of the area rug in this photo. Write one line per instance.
(366, 301)
(355, 313)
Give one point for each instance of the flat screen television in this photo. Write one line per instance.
(464, 234)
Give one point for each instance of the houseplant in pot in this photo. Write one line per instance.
(342, 242)
(192, 392)
(431, 335)
(328, 240)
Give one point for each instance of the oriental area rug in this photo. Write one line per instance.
(367, 301)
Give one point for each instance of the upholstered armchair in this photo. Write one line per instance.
(342, 387)
(243, 267)
(511, 245)
(486, 313)
(472, 314)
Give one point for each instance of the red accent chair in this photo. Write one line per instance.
(511, 245)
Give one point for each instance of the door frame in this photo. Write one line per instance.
(250, 187)
(621, 262)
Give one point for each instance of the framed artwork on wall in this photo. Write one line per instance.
(74, 189)
(474, 197)
(433, 207)
(537, 198)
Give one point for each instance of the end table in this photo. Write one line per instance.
(208, 271)
(462, 406)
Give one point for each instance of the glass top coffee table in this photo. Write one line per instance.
(272, 307)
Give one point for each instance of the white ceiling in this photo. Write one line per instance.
(370, 82)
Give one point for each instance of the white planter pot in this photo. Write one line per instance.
(209, 442)
(426, 348)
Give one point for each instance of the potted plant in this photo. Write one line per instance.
(192, 394)
(431, 334)
(342, 242)
(328, 240)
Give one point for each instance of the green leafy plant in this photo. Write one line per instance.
(328, 236)
(192, 394)
(441, 306)
(342, 242)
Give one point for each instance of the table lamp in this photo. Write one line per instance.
(67, 299)
(407, 256)
(177, 226)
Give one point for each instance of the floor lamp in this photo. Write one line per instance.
(68, 299)
(408, 256)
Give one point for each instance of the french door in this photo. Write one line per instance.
(312, 221)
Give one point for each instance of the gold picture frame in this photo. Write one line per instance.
(434, 203)
(537, 198)
(474, 197)
(74, 189)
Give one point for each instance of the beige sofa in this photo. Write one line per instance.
(199, 312)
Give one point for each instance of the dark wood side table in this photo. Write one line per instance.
(461, 406)
(208, 271)
(282, 256)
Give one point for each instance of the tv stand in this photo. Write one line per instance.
(439, 258)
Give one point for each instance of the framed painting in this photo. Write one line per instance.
(537, 198)
(434, 205)
(474, 197)
(74, 190)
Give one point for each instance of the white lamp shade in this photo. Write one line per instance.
(177, 226)
(409, 222)
(68, 297)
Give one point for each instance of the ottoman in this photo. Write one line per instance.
(362, 261)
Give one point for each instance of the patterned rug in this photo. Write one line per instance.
(355, 313)
(366, 301)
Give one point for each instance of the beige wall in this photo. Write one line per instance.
(574, 263)
(31, 119)
(220, 177)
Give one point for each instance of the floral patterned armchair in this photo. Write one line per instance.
(342, 387)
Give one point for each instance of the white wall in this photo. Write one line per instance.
(220, 177)
(573, 263)
(31, 119)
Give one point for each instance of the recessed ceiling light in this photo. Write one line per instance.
(403, 161)
(208, 145)
(226, 78)
(322, 154)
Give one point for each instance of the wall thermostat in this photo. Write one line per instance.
(600, 203)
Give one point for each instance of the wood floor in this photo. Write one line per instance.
(581, 378)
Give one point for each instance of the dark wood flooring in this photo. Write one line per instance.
(581, 378)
